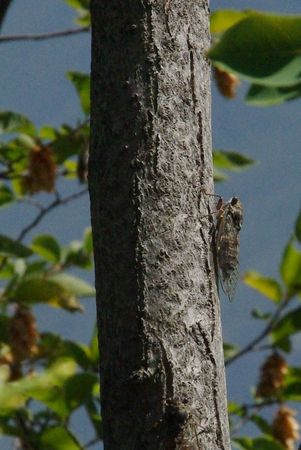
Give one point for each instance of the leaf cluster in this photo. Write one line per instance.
(51, 378)
(261, 48)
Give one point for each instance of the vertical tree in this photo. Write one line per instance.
(162, 369)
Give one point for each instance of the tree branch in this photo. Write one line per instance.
(252, 406)
(57, 202)
(4, 5)
(252, 345)
(43, 36)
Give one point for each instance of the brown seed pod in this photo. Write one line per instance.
(226, 82)
(23, 335)
(272, 374)
(41, 171)
(286, 428)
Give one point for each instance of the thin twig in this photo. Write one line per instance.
(43, 36)
(263, 404)
(57, 202)
(92, 442)
(31, 202)
(252, 345)
(245, 419)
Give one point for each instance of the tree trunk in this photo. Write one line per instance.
(162, 369)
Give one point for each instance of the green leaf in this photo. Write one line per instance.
(222, 19)
(11, 122)
(257, 314)
(36, 267)
(93, 410)
(49, 386)
(53, 346)
(219, 176)
(231, 160)
(268, 287)
(7, 268)
(79, 389)
(94, 350)
(4, 325)
(47, 247)
(71, 168)
(85, 19)
(266, 443)
(78, 4)
(287, 325)
(81, 83)
(13, 248)
(262, 48)
(74, 285)
(243, 443)
(235, 408)
(70, 141)
(261, 443)
(292, 392)
(88, 240)
(79, 352)
(46, 387)
(7, 429)
(292, 385)
(6, 195)
(262, 424)
(58, 438)
(290, 267)
(230, 350)
(46, 290)
(14, 154)
(82, 8)
(269, 96)
(284, 344)
(298, 227)
(293, 375)
(76, 255)
(47, 132)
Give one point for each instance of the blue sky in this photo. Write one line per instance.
(33, 82)
(270, 192)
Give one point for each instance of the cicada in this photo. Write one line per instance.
(225, 237)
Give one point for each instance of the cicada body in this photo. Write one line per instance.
(229, 218)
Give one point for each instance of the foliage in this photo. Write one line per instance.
(261, 48)
(264, 50)
(45, 378)
(231, 161)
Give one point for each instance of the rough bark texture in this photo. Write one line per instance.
(162, 372)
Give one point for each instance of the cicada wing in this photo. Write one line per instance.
(229, 283)
(227, 252)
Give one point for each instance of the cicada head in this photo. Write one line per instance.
(236, 212)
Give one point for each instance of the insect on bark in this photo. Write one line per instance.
(225, 243)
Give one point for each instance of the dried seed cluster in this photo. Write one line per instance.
(272, 376)
(226, 82)
(23, 334)
(41, 171)
(286, 428)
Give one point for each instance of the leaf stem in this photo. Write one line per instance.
(58, 201)
(43, 36)
(253, 344)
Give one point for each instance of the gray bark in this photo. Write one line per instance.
(162, 369)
